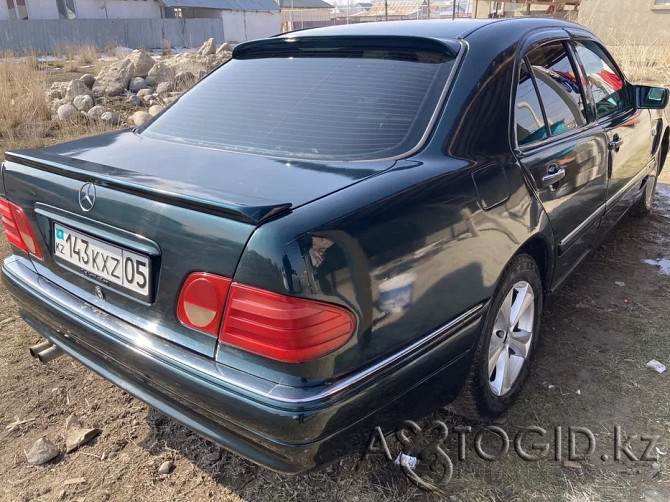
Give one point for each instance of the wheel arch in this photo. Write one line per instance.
(539, 249)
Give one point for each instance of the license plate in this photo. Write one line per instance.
(103, 262)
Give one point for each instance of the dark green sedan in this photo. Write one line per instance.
(337, 230)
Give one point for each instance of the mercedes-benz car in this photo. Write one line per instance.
(336, 230)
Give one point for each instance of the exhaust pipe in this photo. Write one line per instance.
(36, 349)
(49, 354)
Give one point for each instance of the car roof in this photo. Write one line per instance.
(438, 28)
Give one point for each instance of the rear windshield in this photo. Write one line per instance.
(329, 99)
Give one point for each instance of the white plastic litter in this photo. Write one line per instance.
(656, 366)
(406, 460)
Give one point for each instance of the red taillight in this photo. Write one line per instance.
(17, 228)
(284, 328)
(201, 301)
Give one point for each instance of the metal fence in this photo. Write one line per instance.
(45, 35)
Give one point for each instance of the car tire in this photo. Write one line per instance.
(643, 206)
(488, 393)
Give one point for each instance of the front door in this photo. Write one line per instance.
(628, 129)
(563, 151)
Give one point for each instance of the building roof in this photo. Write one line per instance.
(395, 8)
(304, 4)
(223, 4)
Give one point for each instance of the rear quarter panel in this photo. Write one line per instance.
(431, 247)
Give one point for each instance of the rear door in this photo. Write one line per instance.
(562, 149)
(628, 129)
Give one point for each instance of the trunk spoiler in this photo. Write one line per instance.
(205, 199)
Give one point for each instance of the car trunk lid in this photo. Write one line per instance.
(179, 207)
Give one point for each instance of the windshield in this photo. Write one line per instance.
(325, 99)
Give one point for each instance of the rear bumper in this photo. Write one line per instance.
(286, 429)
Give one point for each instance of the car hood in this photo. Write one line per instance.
(209, 175)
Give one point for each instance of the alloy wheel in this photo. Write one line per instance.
(510, 342)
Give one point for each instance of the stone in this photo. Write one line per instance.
(140, 118)
(184, 79)
(83, 102)
(141, 62)
(164, 88)
(168, 100)
(111, 118)
(96, 112)
(113, 80)
(66, 112)
(156, 109)
(160, 72)
(143, 93)
(42, 451)
(225, 47)
(59, 87)
(75, 88)
(137, 84)
(77, 435)
(133, 100)
(88, 80)
(209, 47)
(166, 467)
(52, 94)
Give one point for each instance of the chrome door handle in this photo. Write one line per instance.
(553, 176)
(615, 144)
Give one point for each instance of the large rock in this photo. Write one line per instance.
(113, 80)
(137, 84)
(52, 94)
(156, 109)
(88, 80)
(75, 88)
(141, 62)
(59, 88)
(140, 118)
(164, 88)
(96, 112)
(66, 112)
(184, 80)
(224, 48)
(144, 93)
(42, 451)
(111, 118)
(83, 102)
(160, 72)
(133, 100)
(209, 47)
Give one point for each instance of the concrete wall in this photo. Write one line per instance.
(44, 35)
(4, 13)
(618, 22)
(41, 9)
(115, 9)
(239, 26)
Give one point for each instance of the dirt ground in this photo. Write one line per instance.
(599, 331)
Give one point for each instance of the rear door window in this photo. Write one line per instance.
(560, 93)
(334, 98)
(605, 82)
(530, 124)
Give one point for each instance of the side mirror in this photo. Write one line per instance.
(651, 97)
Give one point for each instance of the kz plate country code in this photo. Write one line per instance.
(110, 264)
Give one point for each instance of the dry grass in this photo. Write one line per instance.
(643, 63)
(25, 120)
